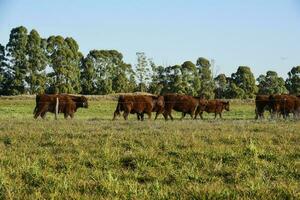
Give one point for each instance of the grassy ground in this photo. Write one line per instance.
(92, 157)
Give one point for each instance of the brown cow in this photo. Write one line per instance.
(213, 106)
(261, 104)
(180, 103)
(158, 107)
(58, 103)
(139, 104)
(284, 104)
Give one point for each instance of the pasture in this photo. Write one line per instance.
(93, 157)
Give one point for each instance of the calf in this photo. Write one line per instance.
(213, 106)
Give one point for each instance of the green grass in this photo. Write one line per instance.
(92, 157)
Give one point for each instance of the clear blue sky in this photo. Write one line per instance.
(262, 34)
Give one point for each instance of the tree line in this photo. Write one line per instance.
(30, 64)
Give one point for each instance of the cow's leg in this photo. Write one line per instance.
(141, 116)
(37, 114)
(125, 115)
(149, 115)
(41, 110)
(287, 115)
(201, 115)
(192, 114)
(215, 115)
(66, 115)
(182, 115)
(196, 114)
(43, 114)
(220, 114)
(138, 116)
(256, 114)
(156, 115)
(165, 114)
(72, 115)
(284, 115)
(275, 115)
(115, 115)
(171, 116)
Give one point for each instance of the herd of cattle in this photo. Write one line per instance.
(277, 105)
(164, 104)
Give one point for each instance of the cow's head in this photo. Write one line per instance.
(158, 103)
(84, 102)
(202, 104)
(226, 105)
(273, 103)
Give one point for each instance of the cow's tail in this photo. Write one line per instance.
(56, 107)
(118, 108)
(37, 100)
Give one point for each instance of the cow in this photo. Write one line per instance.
(284, 104)
(213, 106)
(139, 104)
(261, 104)
(58, 103)
(181, 103)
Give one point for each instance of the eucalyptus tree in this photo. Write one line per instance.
(293, 81)
(271, 84)
(206, 78)
(17, 60)
(64, 59)
(37, 62)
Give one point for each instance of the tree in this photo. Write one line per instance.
(88, 75)
(17, 57)
(207, 82)
(4, 76)
(142, 71)
(37, 62)
(245, 80)
(157, 78)
(222, 86)
(293, 81)
(123, 78)
(104, 72)
(271, 84)
(65, 60)
(189, 78)
(235, 92)
(172, 79)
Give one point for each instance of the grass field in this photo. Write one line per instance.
(92, 157)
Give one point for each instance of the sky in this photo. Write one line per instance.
(262, 34)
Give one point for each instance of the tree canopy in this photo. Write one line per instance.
(31, 64)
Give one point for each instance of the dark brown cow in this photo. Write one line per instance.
(158, 107)
(261, 104)
(58, 103)
(213, 106)
(284, 104)
(180, 103)
(139, 104)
